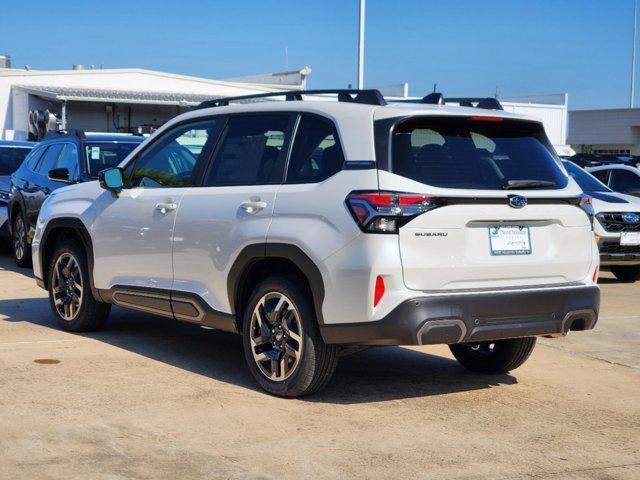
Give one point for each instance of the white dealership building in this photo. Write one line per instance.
(116, 100)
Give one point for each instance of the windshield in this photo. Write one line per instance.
(585, 180)
(102, 155)
(11, 158)
(485, 153)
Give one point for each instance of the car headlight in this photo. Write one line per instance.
(4, 196)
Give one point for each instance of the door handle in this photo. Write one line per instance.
(253, 206)
(164, 208)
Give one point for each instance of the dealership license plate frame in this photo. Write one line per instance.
(499, 245)
(630, 238)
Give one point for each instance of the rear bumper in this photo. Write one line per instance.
(475, 317)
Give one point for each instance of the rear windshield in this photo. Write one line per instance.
(11, 158)
(475, 153)
(101, 155)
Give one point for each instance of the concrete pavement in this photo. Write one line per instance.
(151, 398)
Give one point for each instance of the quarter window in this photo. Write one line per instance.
(171, 160)
(34, 157)
(601, 175)
(316, 154)
(49, 159)
(251, 152)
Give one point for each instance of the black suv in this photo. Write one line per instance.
(60, 159)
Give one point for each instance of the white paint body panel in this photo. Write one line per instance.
(132, 239)
(211, 230)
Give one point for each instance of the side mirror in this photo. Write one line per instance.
(111, 179)
(59, 175)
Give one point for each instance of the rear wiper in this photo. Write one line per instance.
(514, 184)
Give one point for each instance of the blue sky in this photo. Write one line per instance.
(468, 47)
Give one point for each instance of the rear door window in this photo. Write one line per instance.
(474, 153)
(250, 152)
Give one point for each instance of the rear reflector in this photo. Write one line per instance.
(595, 275)
(378, 291)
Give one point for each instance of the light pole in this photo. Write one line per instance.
(633, 54)
(361, 46)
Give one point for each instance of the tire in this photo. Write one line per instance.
(496, 357)
(626, 273)
(280, 373)
(85, 313)
(20, 246)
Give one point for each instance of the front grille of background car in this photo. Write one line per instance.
(613, 222)
(616, 248)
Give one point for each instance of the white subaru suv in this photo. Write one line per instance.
(314, 228)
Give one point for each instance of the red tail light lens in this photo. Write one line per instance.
(386, 212)
(378, 290)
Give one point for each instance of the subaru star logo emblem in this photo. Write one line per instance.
(516, 201)
(631, 218)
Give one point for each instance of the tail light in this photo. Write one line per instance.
(386, 212)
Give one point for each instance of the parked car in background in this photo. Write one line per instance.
(619, 178)
(585, 160)
(617, 224)
(12, 155)
(62, 158)
(318, 227)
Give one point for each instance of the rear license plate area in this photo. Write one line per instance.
(509, 240)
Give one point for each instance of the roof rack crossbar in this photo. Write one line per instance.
(436, 98)
(368, 97)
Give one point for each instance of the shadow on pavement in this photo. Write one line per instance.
(374, 375)
(377, 374)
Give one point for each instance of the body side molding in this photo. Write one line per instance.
(183, 306)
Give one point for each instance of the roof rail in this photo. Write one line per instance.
(70, 132)
(368, 97)
(487, 103)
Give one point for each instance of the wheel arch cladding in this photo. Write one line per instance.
(258, 261)
(57, 230)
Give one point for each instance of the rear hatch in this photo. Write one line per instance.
(501, 213)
